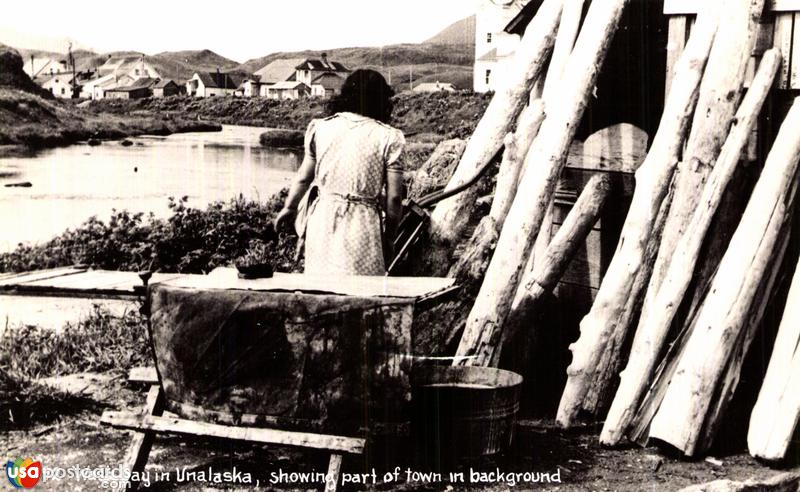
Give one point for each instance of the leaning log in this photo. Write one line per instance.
(652, 184)
(570, 236)
(654, 325)
(548, 152)
(776, 413)
(448, 219)
(684, 414)
(720, 93)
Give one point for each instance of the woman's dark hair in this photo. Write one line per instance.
(364, 92)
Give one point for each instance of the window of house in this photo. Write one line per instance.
(488, 37)
(488, 74)
(137, 71)
(146, 73)
(63, 91)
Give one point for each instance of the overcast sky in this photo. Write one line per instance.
(237, 29)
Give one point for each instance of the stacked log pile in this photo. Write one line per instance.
(680, 372)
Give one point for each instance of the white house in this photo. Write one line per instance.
(251, 87)
(88, 87)
(60, 85)
(311, 68)
(278, 70)
(435, 87)
(43, 67)
(497, 36)
(212, 84)
(292, 89)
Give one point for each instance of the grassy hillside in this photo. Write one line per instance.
(459, 33)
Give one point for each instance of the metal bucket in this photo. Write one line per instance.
(462, 413)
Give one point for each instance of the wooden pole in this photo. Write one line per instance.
(720, 92)
(777, 411)
(684, 412)
(448, 219)
(570, 236)
(565, 41)
(548, 152)
(654, 325)
(511, 168)
(653, 178)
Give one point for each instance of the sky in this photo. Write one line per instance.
(237, 29)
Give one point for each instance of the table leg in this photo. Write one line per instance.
(136, 457)
(334, 468)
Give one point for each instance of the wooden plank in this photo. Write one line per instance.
(406, 287)
(128, 420)
(138, 451)
(617, 148)
(25, 277)
(676, 41)
(684, 7)
(143, 375)
(782, 39)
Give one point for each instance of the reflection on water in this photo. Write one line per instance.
(71, 184)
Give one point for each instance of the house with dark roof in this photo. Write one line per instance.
(213, 84)
(167, 88)
(139, 89)
(327, 84)
(311, 68)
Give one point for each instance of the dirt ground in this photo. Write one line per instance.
(76, 439)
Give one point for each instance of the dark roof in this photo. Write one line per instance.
(523, 18)
(326, 75)
(164, 82)
(320, 65)
(143, 83)
(220, 80)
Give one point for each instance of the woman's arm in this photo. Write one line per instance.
(395, 193)
(302, 181)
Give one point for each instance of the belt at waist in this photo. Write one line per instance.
(350, 198)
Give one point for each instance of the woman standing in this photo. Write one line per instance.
(349, 188)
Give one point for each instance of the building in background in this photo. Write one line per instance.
(311, 68)
(213, 84)
(435, 87)
(498, 27)
(278, 71)
(60, 85)
(139, 89)
(167, 88)
(292, 89)
(327, 84)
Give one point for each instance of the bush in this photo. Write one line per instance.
(190, 240)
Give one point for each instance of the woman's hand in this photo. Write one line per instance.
(285, 219)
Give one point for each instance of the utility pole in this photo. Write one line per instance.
(72, 62)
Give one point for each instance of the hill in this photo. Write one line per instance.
(399, 63)
(459, 33)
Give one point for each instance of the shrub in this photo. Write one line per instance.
(190, 240)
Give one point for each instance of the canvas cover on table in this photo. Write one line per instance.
(318, 362)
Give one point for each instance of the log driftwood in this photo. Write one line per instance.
(570, 236)
(565, 42)
(549, 151)
(719, 94)
(653, 181)
(720, 91)
(684, 414)
(776, 413)
(448, 219)
(657, 317)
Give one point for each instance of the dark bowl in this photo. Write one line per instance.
(261, 270)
